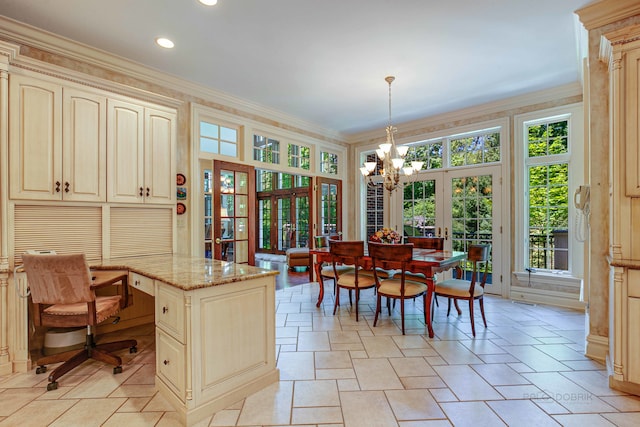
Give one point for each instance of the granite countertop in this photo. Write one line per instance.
(184, 272)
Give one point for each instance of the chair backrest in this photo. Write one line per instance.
(386, 256)
(346, 251)
(58, 279)
(436, 243)
(322, 241)
(479, 253)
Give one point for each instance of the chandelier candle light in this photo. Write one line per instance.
(392, 157)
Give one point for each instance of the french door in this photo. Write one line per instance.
(462, 206)
(283, 221)
(329, 202)
(232, 212)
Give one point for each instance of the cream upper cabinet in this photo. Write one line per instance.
(57, 142)
(35, 139)
(84, 146)
(141, 142)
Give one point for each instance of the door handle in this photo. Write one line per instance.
(446, 233)
(218, 241)
(439, 231)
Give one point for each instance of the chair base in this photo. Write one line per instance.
(75, 358)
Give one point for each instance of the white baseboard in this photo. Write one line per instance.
(597, 347)
(542, 296)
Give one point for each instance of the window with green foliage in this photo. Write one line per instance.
(475, 149)
(429, 152)
(218, 139)
(328, 163)
(299, 156)
(547, 172)
(266, 150)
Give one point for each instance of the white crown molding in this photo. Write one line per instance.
(604, 12)
(482, 110)
(21, 33)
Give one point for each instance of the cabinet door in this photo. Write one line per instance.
(35, 139)
(125, 147)
(160, 157)
(84, 146)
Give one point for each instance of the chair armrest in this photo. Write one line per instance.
(104, 278)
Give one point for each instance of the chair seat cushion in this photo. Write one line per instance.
(348, 280)
(382, 274)
(416, 277)
(328, 270)
(457, 288)
(105, 307)
(391, 287)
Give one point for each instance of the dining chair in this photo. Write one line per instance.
(349, 253)
(327, 272)
(469, 290)
(435, 243)
(63, 296)
(386, 256)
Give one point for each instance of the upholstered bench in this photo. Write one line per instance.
(297, 257)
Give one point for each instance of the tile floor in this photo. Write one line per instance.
(526, 368)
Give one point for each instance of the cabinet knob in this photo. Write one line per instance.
(57, 186)
(141, 191)
(136, 283)
(166, 362)
(66, 186)
(165, 309)
(148, 191)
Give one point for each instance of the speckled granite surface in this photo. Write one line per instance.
(187, 273)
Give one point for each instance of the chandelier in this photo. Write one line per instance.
(392, 157)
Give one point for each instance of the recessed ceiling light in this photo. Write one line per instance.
(208, 2)
(164, 42)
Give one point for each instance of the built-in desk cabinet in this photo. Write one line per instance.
(57, 148)
(142, 159)
(72, 143)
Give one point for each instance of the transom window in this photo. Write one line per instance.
(328, 163)
(218, 139)
(475, 149)
(266, 150)
(299, 156)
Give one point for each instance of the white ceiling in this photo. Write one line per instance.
(324, 61)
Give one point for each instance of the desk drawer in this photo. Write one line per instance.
(170, 310)
(141, 283)
(170, 363)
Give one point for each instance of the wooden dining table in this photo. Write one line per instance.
(424, 261)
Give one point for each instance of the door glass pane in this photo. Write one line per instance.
(242, 203)
(302, 222)
(242, 183)
(328, 209)
(472, 212)
(242, 229)
(208, 210)
(242, 252)
(419, 209)
(284, 224)
(264, 225)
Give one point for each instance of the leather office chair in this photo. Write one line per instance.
(395, 256)
(349, 253)
(63, 295)
(468, 290)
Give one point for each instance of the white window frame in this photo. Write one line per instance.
(575, 158)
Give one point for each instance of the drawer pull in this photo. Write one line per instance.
(136, 283)
(165, 309)
(166, 362)
(141, 191)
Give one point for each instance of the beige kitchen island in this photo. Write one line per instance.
(215, 329)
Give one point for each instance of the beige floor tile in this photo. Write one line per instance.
(14, 399)
(271, 405)
(89, 412)
(296, 366)
(526, 391)
(425, 423)
(348, 385)
(334, 374)
(315, 393)
(455, 353)
(376, 374)
(366, 409)
(466, 384)
(498, 374)
(412, 367)
(442, 395)
(333, 360)
(135, 390)
(37, 413)
(100, 384)
(225, 418)
(522, 413)
(413, 405)
(624, 403)
(133, 419)
(583, 420)
(134, 404)
(629, 419)
(313, 341)
(471, 414)
(318, 415)
(422, 382)
(595, 382)
(381, 346)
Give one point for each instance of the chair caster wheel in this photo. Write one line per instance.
(41, 369)
(117, 370)
(133, 349)
(52, 386)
